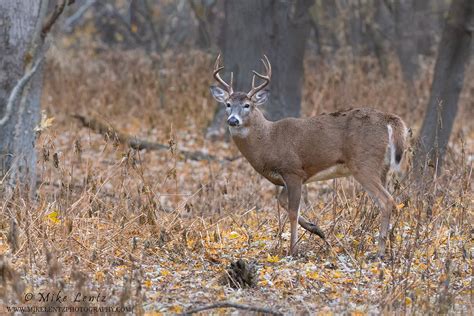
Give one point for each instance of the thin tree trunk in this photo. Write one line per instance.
(278, 29)
(453, 59)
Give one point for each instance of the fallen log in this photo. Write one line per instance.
(111, 133)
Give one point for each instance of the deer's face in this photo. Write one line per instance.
(239, 106)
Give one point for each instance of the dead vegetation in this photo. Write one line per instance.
(155, 231)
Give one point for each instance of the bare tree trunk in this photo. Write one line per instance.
(405, 41)
(278, 29)
(20, 44)
(23, 28)
(427, 26)
(376, 24)
(453, 59)
(352, 11)
(328, 27)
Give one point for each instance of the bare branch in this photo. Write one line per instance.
(109, 132)
(232, 305)
(73, 19)
(58, 9)
(18, 89)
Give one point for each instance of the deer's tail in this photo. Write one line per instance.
(397, 140)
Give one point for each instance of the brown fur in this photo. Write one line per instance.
(311, 145)
(294, 151)
(290, 151)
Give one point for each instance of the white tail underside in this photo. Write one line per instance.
(391, 147)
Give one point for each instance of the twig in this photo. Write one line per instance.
(71, 21)
(58, 9)
(18, 89)
(110, 132)
(232, 305)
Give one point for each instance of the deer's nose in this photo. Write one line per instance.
(233, 121)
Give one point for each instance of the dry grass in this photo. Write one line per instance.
(150, 230)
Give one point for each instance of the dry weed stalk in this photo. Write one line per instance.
(112, 221)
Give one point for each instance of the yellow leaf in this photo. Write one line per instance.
(165, 272)
(121, 270)
(45, 123)
(147, 283)
(337, 274)
(53, 216)
(263, 282)
(134, 28)
(234, 235)
(339, 236)
(313, 275)
(176, 309)
(272, 259)
(99, 276)
(3, 248)
(153, 313)
(374, 269)
(422, 266)
(407, 300)
(400, 206)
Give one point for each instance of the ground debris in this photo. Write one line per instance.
(241, 274)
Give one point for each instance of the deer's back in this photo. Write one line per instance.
(330, 145)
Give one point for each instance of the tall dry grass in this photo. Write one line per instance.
(151, 230)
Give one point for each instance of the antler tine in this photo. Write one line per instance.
(217, 69)
(268, 69)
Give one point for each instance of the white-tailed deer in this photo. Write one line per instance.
(363, 142)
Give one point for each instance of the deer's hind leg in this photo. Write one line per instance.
(311, 227)
(372, 183)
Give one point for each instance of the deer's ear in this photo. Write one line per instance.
(219, 94)
(261, 97)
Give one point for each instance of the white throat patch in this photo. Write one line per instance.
(239, 131)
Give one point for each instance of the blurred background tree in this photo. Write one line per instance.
(23, 29)
(454, 54)
(284, 30)
(281, 29)
(340, 32)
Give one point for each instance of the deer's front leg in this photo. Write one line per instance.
(293, 185)
(311, 227)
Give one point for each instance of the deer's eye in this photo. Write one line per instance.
(246, 105)
(228, 105)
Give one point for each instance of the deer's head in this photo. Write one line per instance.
(240, 105)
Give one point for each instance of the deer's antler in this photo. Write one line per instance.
(268, 69)
(217, 69)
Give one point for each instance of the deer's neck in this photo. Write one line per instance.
(249, 139)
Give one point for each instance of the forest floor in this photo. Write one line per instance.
(156, 232)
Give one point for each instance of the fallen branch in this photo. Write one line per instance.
(232, 305)
(109, 132)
